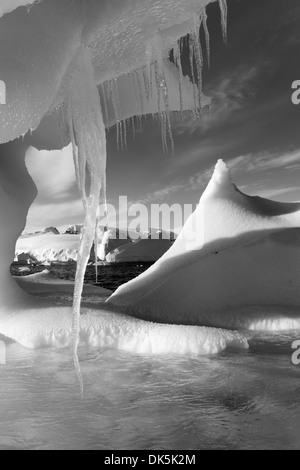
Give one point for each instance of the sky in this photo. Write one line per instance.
(254, 126)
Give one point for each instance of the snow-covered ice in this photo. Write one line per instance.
(234, 265)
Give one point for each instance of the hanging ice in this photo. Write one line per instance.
(122, 47)
(87, 132)
(121, 38)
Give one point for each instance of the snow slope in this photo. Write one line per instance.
(235, 264)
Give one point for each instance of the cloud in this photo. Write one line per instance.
(228, 94)
(53, 172)
(58, 201)
(55, 214)
(266, 161)
(161, 194)
(265, 173)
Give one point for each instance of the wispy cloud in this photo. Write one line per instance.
(228, 93)
(266, 161)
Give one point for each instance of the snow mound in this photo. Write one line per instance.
(234, 265)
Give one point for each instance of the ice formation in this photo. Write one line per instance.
(73, 46)
(46, 322)
(37, 321)
(83, 115)
(129, 43)
(234, 265)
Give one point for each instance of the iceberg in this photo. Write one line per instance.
(83, 62)
(111, 239)
(234, 265)
(142, 250)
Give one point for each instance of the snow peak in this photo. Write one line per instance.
(115, 460)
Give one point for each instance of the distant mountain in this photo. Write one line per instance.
(45, 248)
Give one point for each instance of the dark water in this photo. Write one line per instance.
(109, 276)
(247, 400)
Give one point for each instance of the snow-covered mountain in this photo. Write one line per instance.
(45, 248)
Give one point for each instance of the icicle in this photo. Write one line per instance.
(198, 56)
(158, 83)
(124, 133)
(177, 61)
(133, 127)
(223, 8)
(191, 58)
(147, 81)
(163, 121)
(206, 32)
(114, 93)
(102, 87)
(118, 135)
(162, 89)
(139, 89)
(87, 132)
(139, 120)
(96, 251)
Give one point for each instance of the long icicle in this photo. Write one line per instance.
(206, 32)
(87, 132)
(224, 10)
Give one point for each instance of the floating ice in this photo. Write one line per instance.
(44, 325)
(84, 118)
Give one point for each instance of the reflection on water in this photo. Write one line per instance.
(236, 401)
